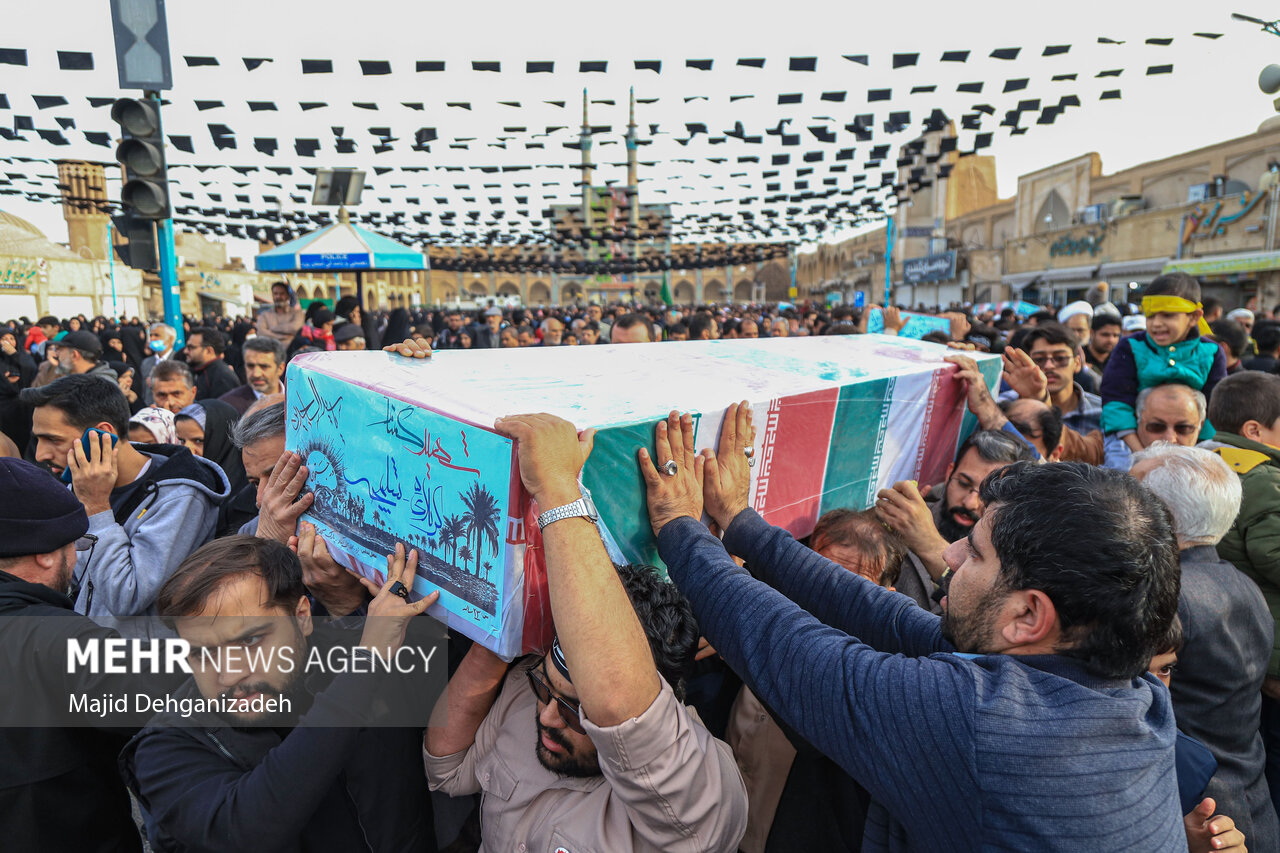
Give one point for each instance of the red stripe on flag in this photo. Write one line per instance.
(942, 420)
(797, 436)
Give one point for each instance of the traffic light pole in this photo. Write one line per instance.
(170, 295)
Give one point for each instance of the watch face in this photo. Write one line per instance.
(591, 508)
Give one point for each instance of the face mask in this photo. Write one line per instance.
(157, 346)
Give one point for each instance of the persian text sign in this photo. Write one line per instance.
(385, 471)
(939, 267)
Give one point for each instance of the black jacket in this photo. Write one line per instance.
(59, 789)
(327, 784)
(214, 379)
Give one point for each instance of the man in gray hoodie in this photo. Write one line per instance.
(150, 505)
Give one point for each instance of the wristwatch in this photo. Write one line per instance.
(583, 507)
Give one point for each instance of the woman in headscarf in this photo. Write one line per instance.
(204, 428)
(152, 425)
(398, 326)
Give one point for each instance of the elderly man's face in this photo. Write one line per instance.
(1169, 414)
(1079, 326)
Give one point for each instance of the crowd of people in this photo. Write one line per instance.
(987, 662)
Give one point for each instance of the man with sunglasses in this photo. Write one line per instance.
(589, 747)
(59, 788)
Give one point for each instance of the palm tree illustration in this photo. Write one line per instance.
(488, 567)
(454, 532)
(465, 553)
(481, 518)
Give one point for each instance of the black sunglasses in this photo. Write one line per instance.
(571, 714)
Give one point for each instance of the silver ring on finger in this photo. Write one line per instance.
(670, 468)
(749, 452)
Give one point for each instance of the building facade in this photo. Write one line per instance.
(1209, 212)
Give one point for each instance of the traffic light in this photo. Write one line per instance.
(141, 151)
(145, 193)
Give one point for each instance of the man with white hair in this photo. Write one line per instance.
(1227, 630)
(1078, 317)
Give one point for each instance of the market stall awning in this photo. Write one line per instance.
(1144, 267)
(1226, 264)
(1019, 280)
(1077, 273)
(340, 247)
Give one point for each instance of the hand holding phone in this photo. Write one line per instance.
(94, 469)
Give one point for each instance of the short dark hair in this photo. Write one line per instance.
(667, 620)
(1174, 284)
(1232, 334)
(937, 336)
(168, 370)
(266, 344)
(1174, 638)
(198, 577)
(84, 401)
(1211, 303)
(1110, 566)
(1042, 317)
(1049, 420)
(345, 306)
(627, 321)
(210, 337)
(1267, 336)
(994, 445)
(1249, 395)
(1101, 321)
(1050, 333)
(864, 531)
(699, 323)
(677, 329)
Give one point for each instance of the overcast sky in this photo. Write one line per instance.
(1211, 95)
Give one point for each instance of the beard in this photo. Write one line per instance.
(970, 632)
(566, 763)
(952, 530)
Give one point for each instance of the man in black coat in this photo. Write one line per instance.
(59, 788)
(214, 377)
(300, 760)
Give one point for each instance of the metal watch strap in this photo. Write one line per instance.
(570, 510)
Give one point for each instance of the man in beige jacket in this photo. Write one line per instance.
(589, 747)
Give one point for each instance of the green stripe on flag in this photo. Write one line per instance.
(613, 476)
(667, 298)
(857, 435)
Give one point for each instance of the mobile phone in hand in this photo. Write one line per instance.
(90, 433)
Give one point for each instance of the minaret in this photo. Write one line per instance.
(633, 184)
(584, 143)
(632, 142)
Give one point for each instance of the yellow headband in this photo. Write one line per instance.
(1173, 305)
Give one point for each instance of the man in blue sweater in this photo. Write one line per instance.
(1022, 719)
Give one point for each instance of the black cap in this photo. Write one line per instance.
(346, 332)
(84, 341)
(37, 513)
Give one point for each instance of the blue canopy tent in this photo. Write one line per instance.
(341, 247)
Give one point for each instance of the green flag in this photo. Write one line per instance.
(666, 291)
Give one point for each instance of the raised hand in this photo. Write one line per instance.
(672, 490)
(726, 484)
(1023, 375)
(389, 612)
(551, 452)
(410, 348)
(279, 504)
(339, 590)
